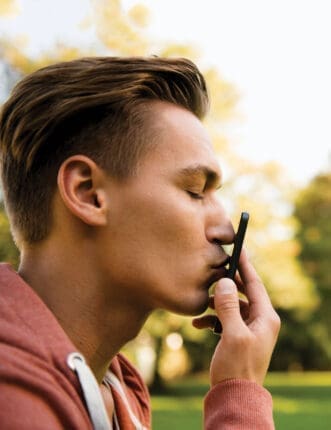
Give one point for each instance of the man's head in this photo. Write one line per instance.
(97, 107)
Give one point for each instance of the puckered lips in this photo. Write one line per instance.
(218, 271)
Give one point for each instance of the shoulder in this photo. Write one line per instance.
(35, 380)
(128, 372)
(35, 394)
(23, 405)
(134, 387)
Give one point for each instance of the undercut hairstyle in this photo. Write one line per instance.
(95, 106)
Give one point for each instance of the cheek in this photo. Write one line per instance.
(156, 246)
(173, 222)
(159, 224)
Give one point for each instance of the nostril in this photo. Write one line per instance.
(217, 242)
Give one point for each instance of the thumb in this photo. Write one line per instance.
(227, 305)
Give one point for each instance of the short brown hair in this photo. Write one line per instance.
(90, 106)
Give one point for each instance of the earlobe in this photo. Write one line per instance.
(81, 186)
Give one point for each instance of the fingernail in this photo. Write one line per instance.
(226, 286)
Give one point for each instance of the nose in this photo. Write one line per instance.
(219, 228)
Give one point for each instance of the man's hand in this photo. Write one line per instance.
(250, 328)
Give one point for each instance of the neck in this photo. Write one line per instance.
(97, 321)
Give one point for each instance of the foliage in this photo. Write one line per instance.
(8, 7)
(299, 346)
(313, 212)
(118, 30)
(8, 250)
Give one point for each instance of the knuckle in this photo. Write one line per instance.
(256, 282)
(242, 339)
(229, 305)
(275, 322)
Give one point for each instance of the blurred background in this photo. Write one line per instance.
(268, 69)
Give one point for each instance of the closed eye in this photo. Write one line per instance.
(196, 196)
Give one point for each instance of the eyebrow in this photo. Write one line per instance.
(211, 175)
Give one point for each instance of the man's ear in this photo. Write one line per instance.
(81, 185)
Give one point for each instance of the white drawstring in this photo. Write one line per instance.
(112, 380)
(91, 391)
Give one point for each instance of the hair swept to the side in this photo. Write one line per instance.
(92, 106)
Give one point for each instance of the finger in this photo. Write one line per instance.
(244, 310)
(239, 283)
(240, 286)
(253, 286)
(207, 321)
(227, 305)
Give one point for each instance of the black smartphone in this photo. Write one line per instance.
(234, 259)
(238, 243)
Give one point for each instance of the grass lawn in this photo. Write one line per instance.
(302, 401)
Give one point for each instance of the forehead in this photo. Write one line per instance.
(180, 142)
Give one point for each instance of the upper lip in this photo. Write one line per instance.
(222, 263)
(218, 271)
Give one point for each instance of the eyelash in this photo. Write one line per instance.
(195, 196)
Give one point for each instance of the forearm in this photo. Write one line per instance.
(238, 405)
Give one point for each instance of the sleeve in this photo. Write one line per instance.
(238, 405)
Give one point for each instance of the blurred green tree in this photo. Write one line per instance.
(313, 212)
(8, 250)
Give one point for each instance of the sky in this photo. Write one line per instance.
(277, 53)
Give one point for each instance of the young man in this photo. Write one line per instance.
(110, 181)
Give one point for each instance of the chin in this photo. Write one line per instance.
(192, 308)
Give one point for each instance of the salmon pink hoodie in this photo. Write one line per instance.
(39, 390)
